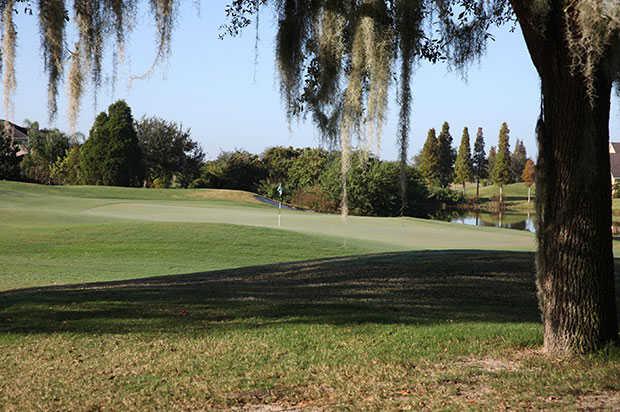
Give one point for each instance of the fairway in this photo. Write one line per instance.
(53, 235)
(116, 299)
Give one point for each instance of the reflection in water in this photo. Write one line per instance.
(503, 220)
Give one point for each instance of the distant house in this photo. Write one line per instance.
(19, 135)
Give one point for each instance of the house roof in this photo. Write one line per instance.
(20, 132)
(614, 161)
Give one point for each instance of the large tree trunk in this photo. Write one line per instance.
(575, 268)
(575, 256)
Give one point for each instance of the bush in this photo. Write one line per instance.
(314, 198)
(374, 188)
(66, 171)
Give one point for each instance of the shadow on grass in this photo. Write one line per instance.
(400, 288)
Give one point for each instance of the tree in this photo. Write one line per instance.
(529, 177)
(170, 154)
(45, 148)
(342, 81)
(446, 156)
(491, 161)
(111, 156)
(9, 162)
(463, 168)
(479, 161)
(305, 170)
(501, 173)
(278, 160)
(66, 171)
(517, 160)
(374, 187)
(429, 159)
(236, 170)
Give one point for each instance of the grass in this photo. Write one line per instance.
(515, 196)
(317, 314)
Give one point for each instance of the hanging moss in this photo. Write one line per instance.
(52, 20)
(75, 84)
(9, 39)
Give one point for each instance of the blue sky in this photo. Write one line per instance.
(208, 85)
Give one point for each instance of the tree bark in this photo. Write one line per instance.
(477, 189)
(575, 267)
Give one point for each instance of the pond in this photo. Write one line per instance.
(516, 221)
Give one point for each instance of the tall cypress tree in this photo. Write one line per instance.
(463, 168)
(491, 161)
(501, 173)
(429, 159)
(112, 156)
(447, 155)
(517, 161)
(479, 161)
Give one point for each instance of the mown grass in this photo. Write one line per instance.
(435, 330)
(257, 318)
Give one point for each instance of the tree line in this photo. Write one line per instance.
(119, 151)
(440, 164)
(152, 152)
(155, 153)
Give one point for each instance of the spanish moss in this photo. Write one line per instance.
(9, 39)
(52, 24)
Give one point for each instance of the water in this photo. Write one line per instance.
(513, 221)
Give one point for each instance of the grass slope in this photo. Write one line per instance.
(55, 235)
(317, 315)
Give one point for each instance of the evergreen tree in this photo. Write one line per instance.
(491, 161)
(447, 154)
(529, 177)
(9, 162)
(463, 168)
(479, 161)
(112, 156)
(517, 161)
(429, 159)
(501, 173)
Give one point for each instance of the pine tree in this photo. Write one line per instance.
(501, 173)
(447, 155)
(491, 161)
(529, 177)
(463, 168)
(479, 161)
(517, 160)
(112, 156)
(429, 159)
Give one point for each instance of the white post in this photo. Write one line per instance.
(529, 194)
(279, 213)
